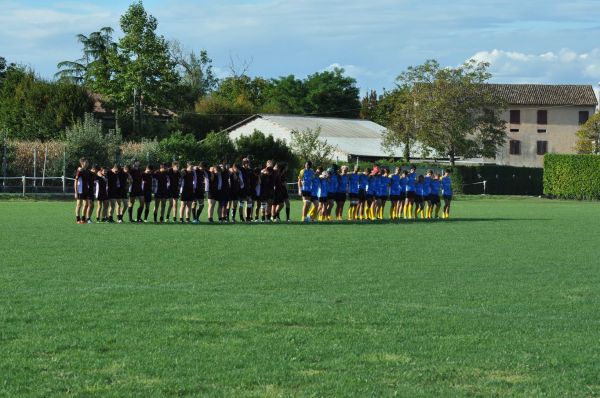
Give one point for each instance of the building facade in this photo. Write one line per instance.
(542, 119)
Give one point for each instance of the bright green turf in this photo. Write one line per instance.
(504, 299)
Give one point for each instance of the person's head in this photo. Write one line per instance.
(447, 172)
(386, 172)
(420, 178)
(136, 164)
(126, 168)
(256, 171)
(308, 165)
(404, 173)
(203, 165)
(344, 170)
(94, 168)
(189, 166)
(245, 162)
(437, 176)
(175, 166)
(162, 168)
(429, 173)
(269, 163)
(235, 167)
(325, 174)
(83, 162)
(103, 170)
(115, 168)
(368, 171)
(397, 170)
(413, 168)
(149, 168)
(318, 170)
(356, 169)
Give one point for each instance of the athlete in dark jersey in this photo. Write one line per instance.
(81, 188)
(161, 191)
(174, 181)
(201, 187)
(245, 191)
(112, 188)
(236, 185)
(101, 194)
(187, 192)
(124, 179)
(135, 191)
(147, 189)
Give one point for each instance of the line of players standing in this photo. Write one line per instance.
(259, 194)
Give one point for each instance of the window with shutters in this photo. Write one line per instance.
(583, 116)
(542, 116)
(515, 116)
(515, 147)
(542, 147)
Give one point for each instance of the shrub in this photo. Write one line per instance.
(86, 138)
(218, 147)
(179, 146)
(572, 176)
(146, 151)
(262, 148)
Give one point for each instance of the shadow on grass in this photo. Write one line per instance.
(340, 223)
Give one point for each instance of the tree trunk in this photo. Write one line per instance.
(452, 159)
(407, 151)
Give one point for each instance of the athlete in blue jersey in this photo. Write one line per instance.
(323, 195)
(394, 193)
(426, 192)
(434, 195)
(411, 180)
(447, 192)
(305, 180)
(372, 189)
(403, 178)
(383, 192)
(363, 184)
(353, 188)
(342, 189)
(331, 189)
(419, 197)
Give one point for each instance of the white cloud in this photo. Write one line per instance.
(563, 66)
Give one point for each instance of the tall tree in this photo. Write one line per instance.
(331, 93)
(588, 136)
(368, 105)
(197, 77)
(396, 111)
(455, 112)
(309, 146)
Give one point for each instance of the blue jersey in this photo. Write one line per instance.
(395, 185)
(363, 181)
(323, 185)
(419, 188)
(411, 180)
(373, 185)
(315, 186)
(403, 184)
(427, 186)
(342, 183)
(436, 186)
(384, 183)
(307, 179)
(333, 183)
(447, 186)
(353, 183)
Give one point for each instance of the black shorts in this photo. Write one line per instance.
(187, 196)
(362, 195)
(447, 197)
(370, 196)
(411, 195)
(383, 198)
(340, 197)
(305, 194)
(434, 199)
(418, 199)
(136, 193)
(159, 195)
(102, 197)
(173, 194)
(323, 200)
(83, 196)
(394, 198)
(113, 194)
(314, 199)
(147, 197)
(199, 194)
(122, 194)
(331, 196)
(352, 196)
(403, 196)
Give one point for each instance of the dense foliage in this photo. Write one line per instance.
(572, 176)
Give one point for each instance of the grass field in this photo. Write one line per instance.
(503, 299)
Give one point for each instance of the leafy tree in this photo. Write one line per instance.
(397, 112)
(86, 138)
(308, 145)
(455, 114)
(262, 148)
(31, 108)
(218, 147)
(286, 95)
(179, 146)
(588, 136)
(330, 93)
(368, 105)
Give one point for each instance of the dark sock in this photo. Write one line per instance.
(287, 213)
(234, 213)
(130, 211)
(146, 211)
(139, 213)
(78, 218)
(199, 212)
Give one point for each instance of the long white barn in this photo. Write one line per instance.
(353, 138)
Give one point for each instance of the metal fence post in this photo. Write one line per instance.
(23, 181)
(64, 184)
(34, 163)
(44, 168)
(4, 163)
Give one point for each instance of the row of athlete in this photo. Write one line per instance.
(410, 195)
(225, 187)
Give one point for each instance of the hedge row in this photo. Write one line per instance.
(572, 176)
(500, 180)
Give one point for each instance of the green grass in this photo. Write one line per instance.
(503, 299)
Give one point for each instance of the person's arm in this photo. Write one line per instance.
(75, 183)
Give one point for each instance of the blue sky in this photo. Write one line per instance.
(526, 41)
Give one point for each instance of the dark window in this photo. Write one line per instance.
(515, 147)
(542, 147)
(542, 117)
(514, 130)
(583, 116)
(515, 116)
(541, 130)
